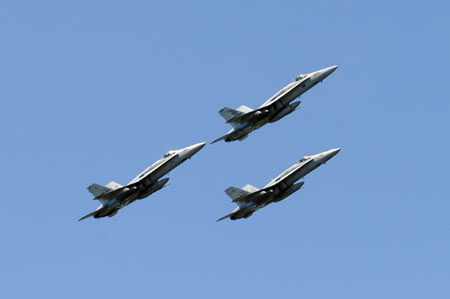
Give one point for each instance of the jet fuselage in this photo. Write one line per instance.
(283, 185)
(147, 182)
(279, 105)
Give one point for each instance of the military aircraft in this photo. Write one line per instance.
(113, 196)
(250, 199)
(244, 120)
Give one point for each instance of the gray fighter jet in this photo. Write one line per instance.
(250, 199)
(244, 120)
(114, 196)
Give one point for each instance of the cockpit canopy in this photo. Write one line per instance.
(302, 76)
(169, 153)
(305, 158)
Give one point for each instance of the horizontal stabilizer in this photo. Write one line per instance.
(224, 136)
(88, 215)
(219, 139)
(225, 217)
(97, 190)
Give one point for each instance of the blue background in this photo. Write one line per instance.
(94, 91)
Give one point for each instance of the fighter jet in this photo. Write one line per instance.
(244, 120)
(250, 199)
(113, 196)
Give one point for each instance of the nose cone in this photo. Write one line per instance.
(328, 71)
(331, 153)
(193, 149)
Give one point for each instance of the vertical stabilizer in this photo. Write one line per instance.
(229, 113)
(113, 185)
(249, 188)
(235, 193)
(96, 189)
(244, 109)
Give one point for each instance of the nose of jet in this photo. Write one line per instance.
(333, 152)
(328, 71)
(188, 152)
(193, 149)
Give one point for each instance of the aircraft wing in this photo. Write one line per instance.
(283, 98)
(151, 169)
(135, 181)
(278, 101)
(279, 179)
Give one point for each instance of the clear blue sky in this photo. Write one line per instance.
(94, 91)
